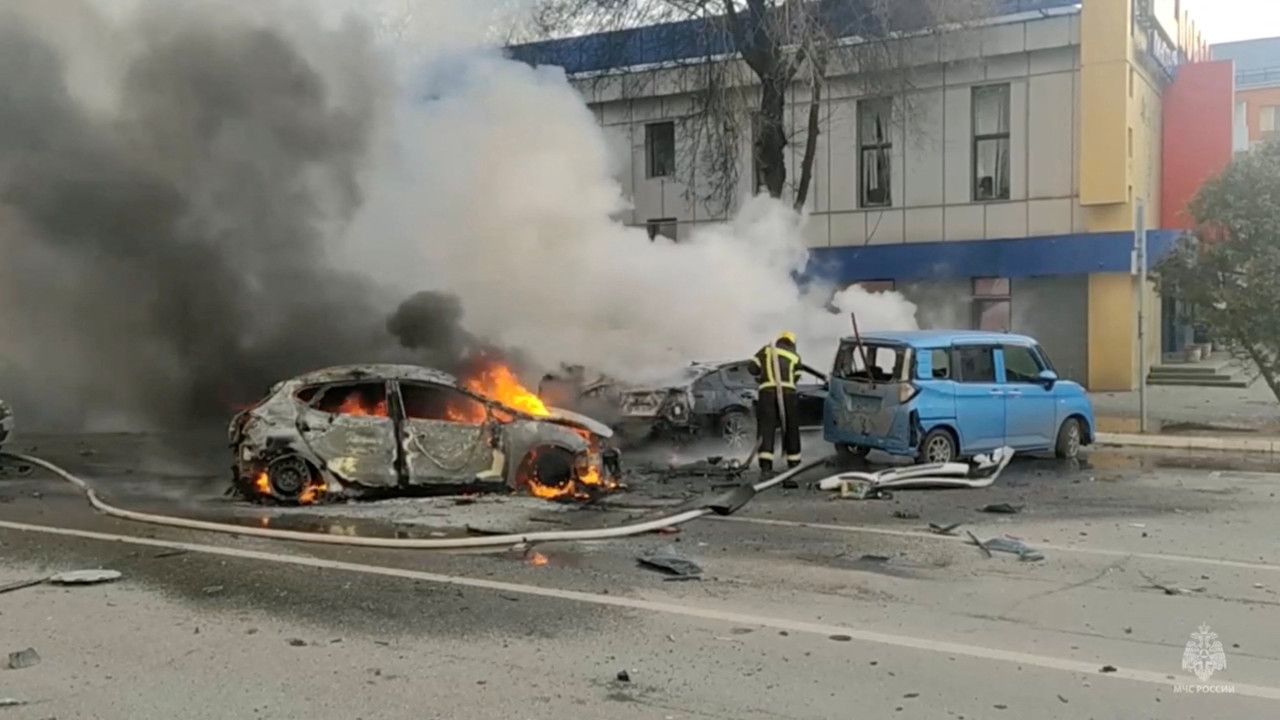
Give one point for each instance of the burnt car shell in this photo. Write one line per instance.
(716, 398)
(382, 429)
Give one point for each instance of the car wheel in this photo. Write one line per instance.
(289, 476)
(738, 429)
(938, 447)
(1069, 440)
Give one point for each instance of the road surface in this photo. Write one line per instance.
(810, 607)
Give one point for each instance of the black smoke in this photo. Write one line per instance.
(164, 260)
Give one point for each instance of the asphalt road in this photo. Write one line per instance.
(809, 607)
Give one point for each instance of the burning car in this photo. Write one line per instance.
(716, 399)
(362, 430)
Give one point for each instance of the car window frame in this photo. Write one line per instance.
(946, 352)
(403, 410)
(723, 372)
(323, 388)
(956, 365)
(1035, 357)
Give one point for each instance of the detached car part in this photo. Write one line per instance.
(981, 471)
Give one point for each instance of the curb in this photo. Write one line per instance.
(1221, 444)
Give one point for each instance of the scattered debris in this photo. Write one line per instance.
(1108, 668)
(839, 638)
(878, 559)
(1167, 589)
(1128, 631)
(908, 696)
(944, 529)
(24, 659)
(978, 542)
(790, 484)
(212, 590)
(979, 472)
(741, 631)
(669, 560)
(624, 676)
(296, 642)
(168, 554)
(11, 702)
(73, 577)
(1137, 525)
(1062, 700)
(1003, 509)
(906, 515)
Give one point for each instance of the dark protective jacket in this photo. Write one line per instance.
(788, 365)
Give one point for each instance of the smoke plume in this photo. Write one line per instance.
(200, 199)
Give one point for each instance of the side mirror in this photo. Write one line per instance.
(1048, 378)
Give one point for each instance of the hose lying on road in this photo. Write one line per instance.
(722, 505)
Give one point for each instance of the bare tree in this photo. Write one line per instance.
(739, 62)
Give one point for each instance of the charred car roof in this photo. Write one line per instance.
(356, 373)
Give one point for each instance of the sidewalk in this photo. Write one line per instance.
(1193, 418)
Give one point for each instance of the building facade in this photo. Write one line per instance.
(1000, 191)
(1257, 76)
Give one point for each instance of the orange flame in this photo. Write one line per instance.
(262, 484)
(537, 559)
(354, 405)
(312, 492)
(497, 382)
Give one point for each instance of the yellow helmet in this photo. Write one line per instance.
(787, 337)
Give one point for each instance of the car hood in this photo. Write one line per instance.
(569, 417)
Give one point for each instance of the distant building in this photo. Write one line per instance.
(1257, 110)
(1007, 200)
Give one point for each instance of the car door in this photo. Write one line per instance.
(350, 430)
(811, 396)
(448, 434)
(1028, 401)
(740, 386)
(979, 398)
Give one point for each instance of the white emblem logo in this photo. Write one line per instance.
(1203, 655)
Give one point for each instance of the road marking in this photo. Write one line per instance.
(1240, 564)
(903, 641)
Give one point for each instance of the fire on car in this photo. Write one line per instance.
(377, 430)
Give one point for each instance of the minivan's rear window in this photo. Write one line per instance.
(883, 363)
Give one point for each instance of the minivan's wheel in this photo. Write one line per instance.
(938, 447)
(738, 429)
(1069, 440)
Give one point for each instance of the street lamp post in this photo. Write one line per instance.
(1140, 255)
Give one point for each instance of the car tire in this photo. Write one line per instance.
(938, 446)
(737, 428)
(1070, 437)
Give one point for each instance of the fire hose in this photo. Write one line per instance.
(723, 504)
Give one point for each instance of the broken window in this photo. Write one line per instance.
(885, 361)
(991, 142)
(367, 399)
(739, 376)
(992, 304)
(1020, 365)
(875, 146)
(941, 361)
(306, 394)
(666, 227)
(423, 401)
(975, 364)
(660, 149)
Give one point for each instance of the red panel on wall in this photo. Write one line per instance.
(1198, 110)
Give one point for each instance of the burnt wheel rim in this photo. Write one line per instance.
(938, 449)
(1073, 439)
(734, 431)
(289, 476)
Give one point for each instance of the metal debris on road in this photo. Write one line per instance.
(667, 559)
(906, 515)
(937, 529)
(1016, 547)
(839, 638)
(979, 472)
(1108, 668)
(212, 589)
(24, 659)
(1002, 509)
(978, 542)
(624, 676)
(11, 702)
(296, 642)
(74, 577)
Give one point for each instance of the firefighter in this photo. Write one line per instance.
(775, 366)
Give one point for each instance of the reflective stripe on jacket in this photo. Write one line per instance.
(788, 366)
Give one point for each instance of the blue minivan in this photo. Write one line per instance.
(944, 395)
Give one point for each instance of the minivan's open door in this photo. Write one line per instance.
(868, 385)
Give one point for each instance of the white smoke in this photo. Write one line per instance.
(503, 192)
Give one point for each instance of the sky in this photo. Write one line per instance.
(1230, 20)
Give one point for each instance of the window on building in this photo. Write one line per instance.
(757, 154)
(1267, 117)
(660, 149)
(992, 304)
(975, 364)
(875, 145)
(991, 142)
(666, 227)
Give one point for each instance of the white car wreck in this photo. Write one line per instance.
(377, 430)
